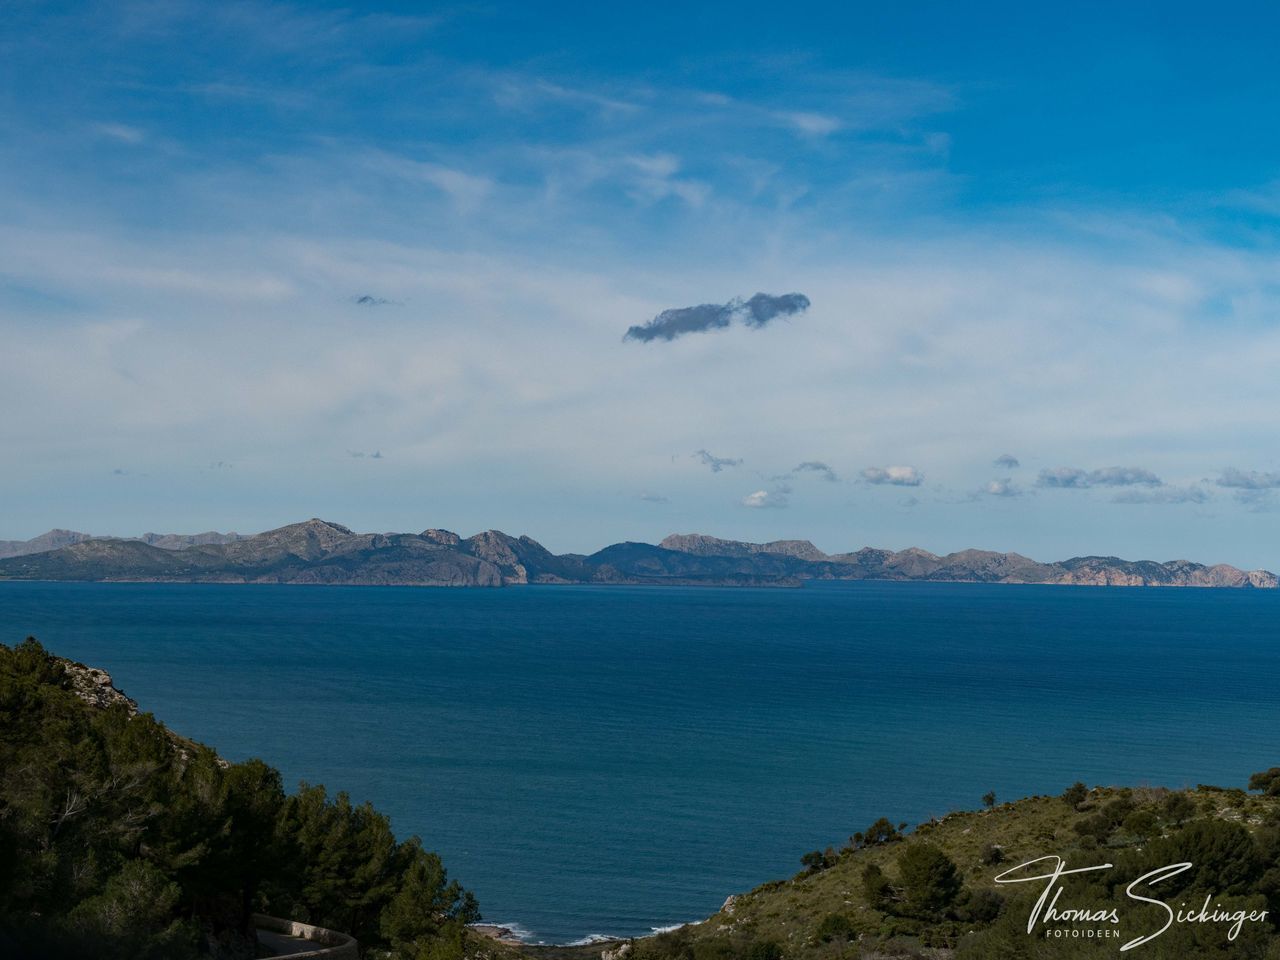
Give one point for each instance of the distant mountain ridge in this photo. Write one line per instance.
(318, 551)
(65, 538)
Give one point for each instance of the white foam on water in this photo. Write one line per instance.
(517, 931)
(591, 938)
(669, 929)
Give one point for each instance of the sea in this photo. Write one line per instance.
(607, 761)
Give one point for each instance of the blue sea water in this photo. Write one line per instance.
(601, 760)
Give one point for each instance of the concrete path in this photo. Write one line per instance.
(282, 945)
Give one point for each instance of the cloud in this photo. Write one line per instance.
(1073, 478)
(1248, 479)
(1002, 488)
(762, 308)
(1063, 477)
(777, 498)
(369, 300)
(716, 463)
(896, 476)
(755, 313)
(1124, 477)
(361, 455)
(653, 498)
(810, 124)
(1191, 494)
(670, 324)
(820, 468)
(1252, 488)
(1006, 460)
(120, 132)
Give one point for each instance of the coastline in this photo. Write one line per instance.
(510, 934)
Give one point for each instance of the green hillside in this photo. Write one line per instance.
(932, 892)
(122, 841)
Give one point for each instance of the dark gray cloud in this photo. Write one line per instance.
(1073, 478)
(1006, 461)
(895, 476)
(716, 463)
(756, 312)
(369, 300)
(762, 308)
(820, 468)
(1248, 479)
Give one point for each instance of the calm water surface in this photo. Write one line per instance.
(598, 760)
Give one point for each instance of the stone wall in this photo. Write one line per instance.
(330, 945)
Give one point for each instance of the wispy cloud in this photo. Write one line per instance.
(820, 468)
(716, 463)
(810, 124)
(894, 476)
(121, 132)
(1074, 478)
(1006, 461)
(466, 190)
(1167, 494)
(1254, 489)
(756, 313)
(1248, 479)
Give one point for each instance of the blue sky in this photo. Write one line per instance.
(246, 247)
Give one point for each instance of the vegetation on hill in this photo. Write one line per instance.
(119, 839)
(933, 892)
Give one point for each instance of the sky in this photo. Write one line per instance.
(915, 274)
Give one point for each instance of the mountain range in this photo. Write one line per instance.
(317, 551)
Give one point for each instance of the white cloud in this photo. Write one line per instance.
(122, 132)
(810, 124)
(1002, 488)
(766, 499)
(896, 476)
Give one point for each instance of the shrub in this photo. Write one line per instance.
(930, 880)
(834, 926)
(1142, 824)
(1075, 794)
(1268, 781)
(876, 887)
(981, 905)
(1224, 856)
(764, 950)
(1178, 808)
(1098, 826)
(1116, 810)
